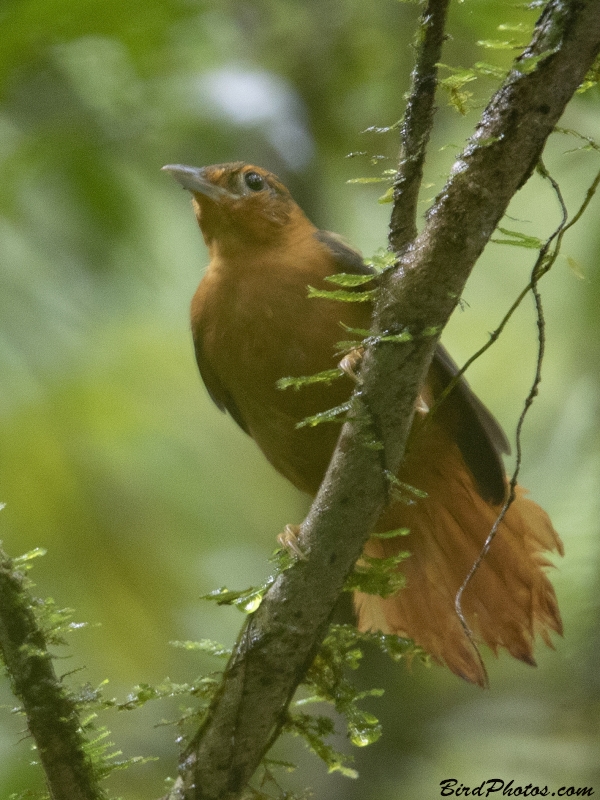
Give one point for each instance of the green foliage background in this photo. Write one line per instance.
(111, 454)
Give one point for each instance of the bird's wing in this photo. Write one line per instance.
(486, 419)
(478, 434)
(347, 259)
(218, 393)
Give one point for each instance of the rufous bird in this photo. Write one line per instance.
(253, 323)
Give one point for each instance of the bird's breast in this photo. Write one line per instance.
(256, 328)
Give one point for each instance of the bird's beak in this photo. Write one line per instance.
(194, 180)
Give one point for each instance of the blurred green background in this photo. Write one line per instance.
(113, 458)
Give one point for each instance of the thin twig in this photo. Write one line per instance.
(417, 124)
(541, 266)
(544, 264)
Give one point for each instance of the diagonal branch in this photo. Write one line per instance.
(279, 640)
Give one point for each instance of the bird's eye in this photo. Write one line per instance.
(254, 181)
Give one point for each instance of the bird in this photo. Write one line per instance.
(254, 323)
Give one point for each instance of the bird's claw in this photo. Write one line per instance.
(350, 363)
(288, 539)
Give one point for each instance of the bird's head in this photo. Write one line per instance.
(236, 202)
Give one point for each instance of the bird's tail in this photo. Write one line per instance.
(509, 598)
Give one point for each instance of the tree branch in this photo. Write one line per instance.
(417, 124)
(279, 640)
(52, 717)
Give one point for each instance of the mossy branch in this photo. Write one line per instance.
(52, 716)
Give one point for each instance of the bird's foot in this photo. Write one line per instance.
(288, 539)
(351, 362)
